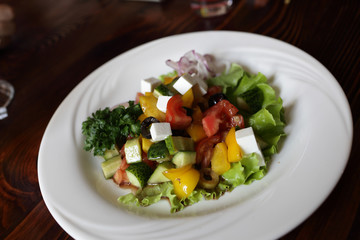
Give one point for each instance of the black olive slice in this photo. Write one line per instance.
(215, 98)
(208, 178)
(145, 126)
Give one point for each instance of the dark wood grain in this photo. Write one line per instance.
(58, 43)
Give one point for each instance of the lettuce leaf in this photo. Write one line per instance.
(170, 74)
(243, 172)
(249, 82)
(153, 193)
(230, 79)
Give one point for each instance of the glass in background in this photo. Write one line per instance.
(211, 8)
(6, 95)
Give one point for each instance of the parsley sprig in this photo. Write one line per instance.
(107, 128)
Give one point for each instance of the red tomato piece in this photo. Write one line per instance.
(228, 108)
(236, 121)
(124, 165)
(120, 177)
(122, 151)
(211, 124)
(218, 117)
(214, 110)
(224, 106)
(137, 98)
(176, 114)
(214, 89)
(204, 150)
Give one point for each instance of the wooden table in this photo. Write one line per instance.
(58, 43)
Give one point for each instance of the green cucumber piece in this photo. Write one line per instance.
(162, 90)
(109, 167)
(179, 143)
(138, 174)
(133, 151)
(183, 158)
(110, 153)
(158, 176)
(171, 86)
(158, 152)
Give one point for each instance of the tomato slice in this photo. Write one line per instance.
(213, 90)
(218, 117)
(227, 108)
(124, 165)
(204, 150)
(120, 176)
(224, 106)
(211, 124)
(236, 121)
(176, 114)
(137, 98)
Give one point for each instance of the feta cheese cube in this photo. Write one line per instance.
(159, 131)
(162, 103)
(184, 83)
(149, 84)
(246, 139)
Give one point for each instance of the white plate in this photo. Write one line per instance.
(311, 161)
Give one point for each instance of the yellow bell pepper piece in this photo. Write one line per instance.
(168, 80)
(219, 159)
(142, 117)
(146, 143)
(234, 150)
(197, 115)
(196, 132)
(174, 173)
(186, 184)
(188, 98)
(184, 180)
(148, 106)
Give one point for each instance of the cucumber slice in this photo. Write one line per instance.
(158, 176)
(138, 174)
(183, 158)
(109, 167)
(162, 90)
(158, 152)
(171, 86)
(179, 143)
(110, 154)
(133, 150)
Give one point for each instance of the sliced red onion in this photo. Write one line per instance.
(193, 63)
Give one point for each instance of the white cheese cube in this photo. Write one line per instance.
(149, 84)
(159, 131)
(162, 103)
(184, 83)
(246, 139)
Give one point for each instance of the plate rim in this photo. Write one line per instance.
(51, 208)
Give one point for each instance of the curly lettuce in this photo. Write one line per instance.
(153, 193)
(244, 172)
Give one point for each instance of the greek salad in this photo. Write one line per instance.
(194, 133)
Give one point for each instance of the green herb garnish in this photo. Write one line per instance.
(107, 128)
